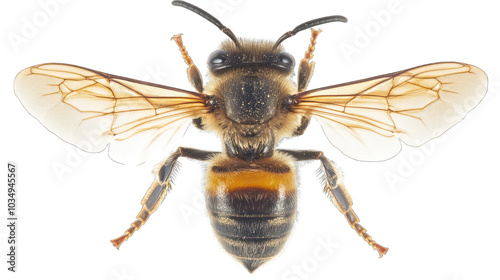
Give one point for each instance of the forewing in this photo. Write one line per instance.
(91, 109)
(368, 119)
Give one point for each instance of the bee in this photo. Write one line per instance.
(251, 103)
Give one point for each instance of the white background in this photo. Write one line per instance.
(440, 219)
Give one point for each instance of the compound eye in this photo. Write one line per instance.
(217, 59)
(286, 59)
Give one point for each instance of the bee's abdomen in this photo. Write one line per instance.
(252, 209)
(252, 224)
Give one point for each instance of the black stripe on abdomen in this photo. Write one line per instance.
(252, 224)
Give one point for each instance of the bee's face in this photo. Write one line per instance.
(251, 90)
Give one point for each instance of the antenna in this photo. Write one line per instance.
(208, 17)
(307, 25)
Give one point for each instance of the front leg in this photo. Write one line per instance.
(338, 194)
(158, 190)
(306, 67)
(193, 73)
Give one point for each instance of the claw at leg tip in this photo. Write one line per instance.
(176, 36)
(116, 245)
(118, 241)
(381, 251)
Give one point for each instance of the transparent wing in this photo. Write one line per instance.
(368, 119)
(91, 109)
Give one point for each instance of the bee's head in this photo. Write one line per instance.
(250, 93)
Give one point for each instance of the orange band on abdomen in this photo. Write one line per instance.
(227, 174)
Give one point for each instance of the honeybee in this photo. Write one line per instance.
(251, 103)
